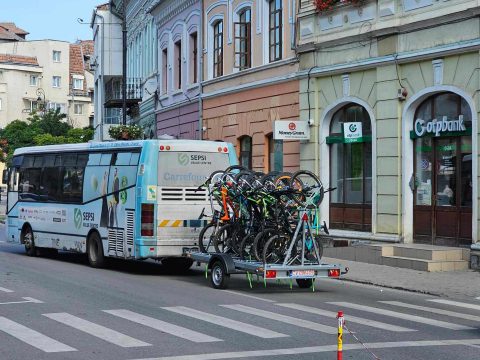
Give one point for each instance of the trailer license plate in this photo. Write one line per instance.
(302, 273)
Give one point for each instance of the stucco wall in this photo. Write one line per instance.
(252, 113)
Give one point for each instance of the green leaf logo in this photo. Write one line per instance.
(123, 193)
(77, 218)
(183, 159)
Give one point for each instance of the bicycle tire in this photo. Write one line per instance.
(211, 238)
(246, 247)
(307, 180)
(275, 249)
(260, 241)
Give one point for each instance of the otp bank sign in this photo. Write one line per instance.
(291, 130)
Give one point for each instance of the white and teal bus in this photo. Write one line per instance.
(123, 199)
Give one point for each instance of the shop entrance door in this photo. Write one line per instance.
(443, 190)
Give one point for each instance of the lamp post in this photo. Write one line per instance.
(40, 94)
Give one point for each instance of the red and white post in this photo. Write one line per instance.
(341, 320)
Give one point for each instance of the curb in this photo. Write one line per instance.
(366, 282)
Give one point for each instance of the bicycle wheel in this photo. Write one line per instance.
(309, 189)
(310, 255)
(246, 247)
(206, 238)
(275, 249)
(228, 239)
(260, 240)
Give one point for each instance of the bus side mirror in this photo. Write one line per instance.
(5, 177)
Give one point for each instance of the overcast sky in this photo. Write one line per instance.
(50, 19)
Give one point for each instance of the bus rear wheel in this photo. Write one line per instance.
(27, 239)
(95, 251)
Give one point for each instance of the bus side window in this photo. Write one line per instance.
(134, 159)
(106, 159)
(13, 179)
(123, 158)
(94, 159)
(73, 184)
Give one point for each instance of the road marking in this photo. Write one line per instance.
(283, 318)
(434, 310)
(249, 296)
(225, 322)
(456, 303)
(395, 314)
(32, 337)
(319, 349)
(6, 290)
(353, 319)
(27, 300)
(101, 332)
(163, 326)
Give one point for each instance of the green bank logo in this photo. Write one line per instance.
(183, 159)
(352, 128)
(77, 218)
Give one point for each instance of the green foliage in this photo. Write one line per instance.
(126, 132)
(48, 129)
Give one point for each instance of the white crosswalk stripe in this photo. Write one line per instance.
(162, 326)
(433, 310)
(225, 322)
(398, 315)
(283, 318)
(32, 337)
(456, 303)
(96, 330)
(353, 319)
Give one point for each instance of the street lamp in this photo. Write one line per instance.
(40, 94)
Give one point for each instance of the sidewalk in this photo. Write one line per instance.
(454, 284)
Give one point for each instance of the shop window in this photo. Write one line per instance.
(243, 40)
(218, 49)
(350, 169)
(246, 151)
(275, 30)
(275, 154)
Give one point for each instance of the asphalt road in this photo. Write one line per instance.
(60, 308)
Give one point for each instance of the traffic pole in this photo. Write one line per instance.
(341, 320)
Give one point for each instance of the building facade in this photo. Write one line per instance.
(250, 79)
(107, 64)
(392, 89)
(142, 62)
(178, 26)
(47, 80)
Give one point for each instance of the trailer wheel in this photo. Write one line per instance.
(304, 283)
(219, 277)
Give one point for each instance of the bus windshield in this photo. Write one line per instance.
(188, 168)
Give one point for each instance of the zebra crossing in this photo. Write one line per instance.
(320, 319)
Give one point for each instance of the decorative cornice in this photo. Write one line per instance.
(169, 10)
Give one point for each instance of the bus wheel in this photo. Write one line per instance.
(177, 264)
(27, 239)
(95, 251)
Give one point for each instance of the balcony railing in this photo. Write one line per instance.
(113, 92)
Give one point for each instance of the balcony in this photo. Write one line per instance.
(113, 92)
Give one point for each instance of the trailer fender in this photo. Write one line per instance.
(227, 261)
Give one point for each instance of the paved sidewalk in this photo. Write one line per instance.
(455, 284)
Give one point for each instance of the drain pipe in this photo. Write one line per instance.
(200, 77)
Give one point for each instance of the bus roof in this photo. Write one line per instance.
(183, 145)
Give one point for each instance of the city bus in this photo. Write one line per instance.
(122, 199)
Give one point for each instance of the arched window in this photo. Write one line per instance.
(275, 30)
(443, 170)
(246, 151)
(243, 38)
(351, 169)
(218, 48)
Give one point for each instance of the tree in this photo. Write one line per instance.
(46, 129)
